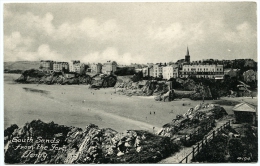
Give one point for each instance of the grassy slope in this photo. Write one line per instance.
(22, 65)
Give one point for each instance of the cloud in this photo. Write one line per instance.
(243, 33)
(18, 47)
(44, 53)
(176, 34)
(35, 25)
(15, 40)
(111, 53)
(91, 28)
(129, 33)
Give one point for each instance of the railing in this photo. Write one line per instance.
(200, 145)
(198, 131)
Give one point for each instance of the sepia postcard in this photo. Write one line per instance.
(130, 82)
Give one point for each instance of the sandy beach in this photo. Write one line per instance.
(77, 105)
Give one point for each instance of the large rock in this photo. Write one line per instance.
(201, 114)
(76, 145)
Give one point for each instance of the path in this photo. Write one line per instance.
(177, 157)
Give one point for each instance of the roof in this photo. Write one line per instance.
(244, 107)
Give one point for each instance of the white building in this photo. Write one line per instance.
(201, 70)
(145, 71)
(96, 68)
(109, 67)
(158, 70)
(46, 65)
(59, 66)
(170, 72)
(74, 66)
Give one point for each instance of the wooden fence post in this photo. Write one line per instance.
(206, 141)
(198, 147)
(193, 151)
(186, 159)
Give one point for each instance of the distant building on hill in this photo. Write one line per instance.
(109, 67)
(83, 68)
(96, 68)
(207, 68)
(146, 72)
(74, 66)
(202, 71)
(158, 69)
(170, 71)
(59, 66)
(46, 65)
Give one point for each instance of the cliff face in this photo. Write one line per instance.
(49, 143)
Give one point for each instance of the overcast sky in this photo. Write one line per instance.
(130, 32)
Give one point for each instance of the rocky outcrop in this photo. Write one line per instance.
(201, 92)
(195, 117)
(30, 76)
(161, 90)
(48, 143)
(189, 84)
(40, 77)
(142, 88)
(103, 81)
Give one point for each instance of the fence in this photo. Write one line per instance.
(198, 131)
(200, 145)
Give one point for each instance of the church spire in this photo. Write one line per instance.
(188, 51)
(187, 56)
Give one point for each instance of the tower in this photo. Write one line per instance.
(187, 56)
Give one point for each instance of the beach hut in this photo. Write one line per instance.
(245, 113)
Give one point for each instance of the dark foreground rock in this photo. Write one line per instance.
(50, 143)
